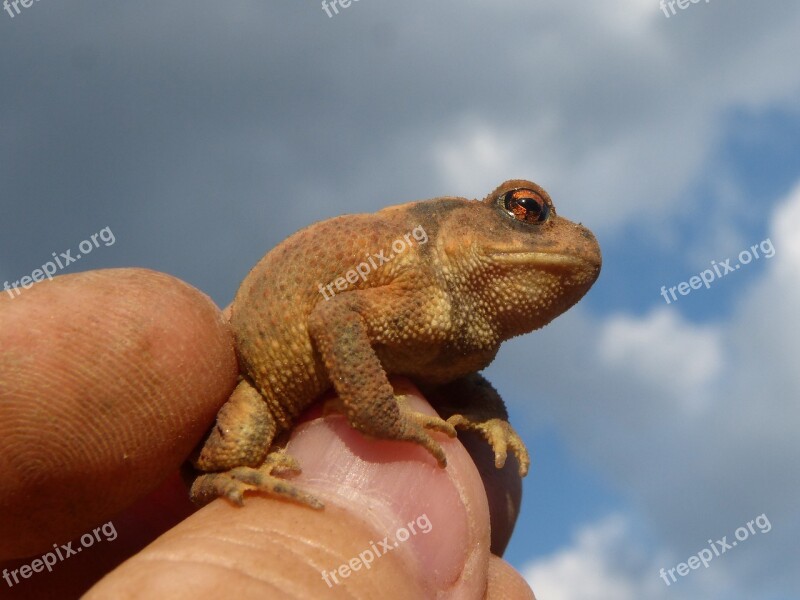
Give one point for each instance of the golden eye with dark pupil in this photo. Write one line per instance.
(526, 205)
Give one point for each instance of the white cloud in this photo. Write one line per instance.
(785, 225)
(664, 351)
(476, 157)
(634, 103)
(586, 570)
(606, 561)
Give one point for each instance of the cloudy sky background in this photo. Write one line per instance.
(203, 133)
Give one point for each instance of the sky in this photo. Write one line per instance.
(201, 134)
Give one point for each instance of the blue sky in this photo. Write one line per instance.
(203, 133)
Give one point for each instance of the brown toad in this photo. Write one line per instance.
(427, 290)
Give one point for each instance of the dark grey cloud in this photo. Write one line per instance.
(202, 133)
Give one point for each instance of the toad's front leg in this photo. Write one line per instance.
(340, 335)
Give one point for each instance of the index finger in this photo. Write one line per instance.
(107, 381)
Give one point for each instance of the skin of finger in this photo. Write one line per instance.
(371, 490)
(505, 583)
(107, 381)
(134, 528)
(503, 488)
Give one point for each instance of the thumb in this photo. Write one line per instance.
(394, 525)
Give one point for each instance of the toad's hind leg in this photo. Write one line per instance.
(236, 454)
(233, 483)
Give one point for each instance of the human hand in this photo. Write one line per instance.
(107, 381)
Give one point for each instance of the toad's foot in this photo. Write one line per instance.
(233, 483)
(500, 435)
(415, 429)
(434, 423)
(411, 426)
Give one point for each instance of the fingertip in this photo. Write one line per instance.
(505, 582)
(108, 379)
(395, 486)
(503, 488)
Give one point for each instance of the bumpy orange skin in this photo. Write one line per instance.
(427, 289)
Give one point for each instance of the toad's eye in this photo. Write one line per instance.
(526, 205)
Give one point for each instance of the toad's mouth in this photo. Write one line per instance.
(546, 259)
